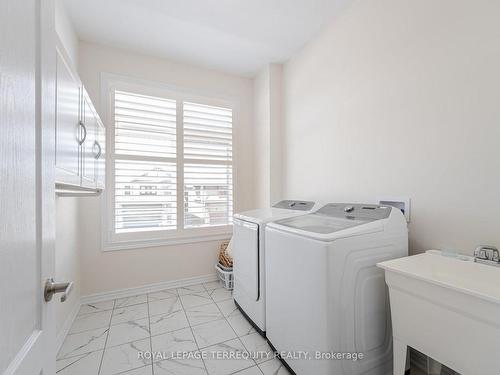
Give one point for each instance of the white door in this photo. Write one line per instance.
(27, 105)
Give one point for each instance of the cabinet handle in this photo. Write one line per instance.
(98, 155)
(84, 133)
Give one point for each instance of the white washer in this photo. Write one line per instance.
(248, 255)
(324, 291)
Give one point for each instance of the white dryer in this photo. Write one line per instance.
(325, 294)
(249, 257)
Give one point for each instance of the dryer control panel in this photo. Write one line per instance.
(295, 205)
(364, 212)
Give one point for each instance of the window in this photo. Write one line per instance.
(208, 178)
(145, 163)
(171, 167)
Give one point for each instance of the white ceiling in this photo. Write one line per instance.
(237, 36)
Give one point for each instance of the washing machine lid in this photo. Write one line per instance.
(335, 217)
(317, 223)
(280, 210)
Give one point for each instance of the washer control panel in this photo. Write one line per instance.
(356, 211)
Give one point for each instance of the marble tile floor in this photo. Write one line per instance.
(195, 330)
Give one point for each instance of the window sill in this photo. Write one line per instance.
(144, 244)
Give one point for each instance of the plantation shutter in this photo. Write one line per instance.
(208, 156)
(145, 152)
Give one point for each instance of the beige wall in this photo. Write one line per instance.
(262, 123)
(275, 133)
(267, 135)
(401, 97)
(107, 271)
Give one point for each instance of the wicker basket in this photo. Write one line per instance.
(224, 259)
(225, 267)
(225, 275)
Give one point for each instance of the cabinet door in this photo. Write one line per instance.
(88, 146)
(67, 124)
(101, 155)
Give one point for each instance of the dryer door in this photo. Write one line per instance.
(246, 259)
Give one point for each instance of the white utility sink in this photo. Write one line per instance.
(447, 307)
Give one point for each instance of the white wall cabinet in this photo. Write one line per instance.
(80, 133)
(101, 159)
(68, 126)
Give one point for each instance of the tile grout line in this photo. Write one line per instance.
(106, 341)
(109, 324)
(192, 332)
(248, 368)
(82, 354)
(237, 337)
(150, 337)
(72, 363)
(91, 329)
(128, 342)
(78, 316)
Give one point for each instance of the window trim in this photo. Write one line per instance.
(110, 241)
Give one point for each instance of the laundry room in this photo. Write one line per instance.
(217, 187)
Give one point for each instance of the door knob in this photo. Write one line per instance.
(51, 288)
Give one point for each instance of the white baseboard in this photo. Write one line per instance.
(129, 292)
(67, 326)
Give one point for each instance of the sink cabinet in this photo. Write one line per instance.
(447, 308)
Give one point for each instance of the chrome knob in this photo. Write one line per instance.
(51, 288)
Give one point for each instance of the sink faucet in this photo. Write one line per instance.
(487, 254)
